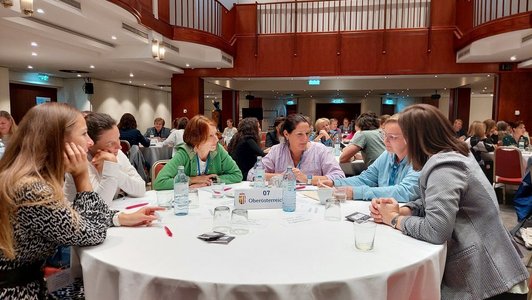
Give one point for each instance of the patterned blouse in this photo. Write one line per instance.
(42, 222)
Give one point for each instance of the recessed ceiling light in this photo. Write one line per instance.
(30, 67)
(187, 65)
(79, 75)
(34, 54)
(144, 84)
(34, 44)
(130, 81)
(489, 75)
(491, 95)
(113, 37)
(513, 58)
(218, 68)
(385, 77)
(435, 76)
(91, 66)
(40, 10)
(131, 75)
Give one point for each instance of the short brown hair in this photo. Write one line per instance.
(197, 130)
(157, 120)
(477, 129)
(427, 132)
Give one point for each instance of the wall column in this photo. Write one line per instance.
(4, 90)
(230, 107)
(513, 94)
(459, 104)
(187, 96)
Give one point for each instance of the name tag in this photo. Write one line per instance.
(259, 198)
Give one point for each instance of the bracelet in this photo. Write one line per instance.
(116, 220)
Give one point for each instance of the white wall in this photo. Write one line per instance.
(4, 90)
(73, 94)
(443, 105)
(481, 106)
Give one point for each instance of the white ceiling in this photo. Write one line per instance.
(74, 39)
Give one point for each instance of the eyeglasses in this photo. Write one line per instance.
(392, 137)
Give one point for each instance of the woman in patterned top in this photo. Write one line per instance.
(35, 218)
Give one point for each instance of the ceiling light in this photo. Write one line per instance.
(34, 54)
(34, 44)
(26, 6)
(40, 10)
(513, 58)
(130, 81)
(113, 37)
(79, 75)
(131, 75)
(7, 3)
(489, 75)
(91, 66)
(187, 65)
(144, 84)
(30, 67)
(435, 76)
(157, 50)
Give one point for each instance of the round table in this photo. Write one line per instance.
(156, 152)
(285, 256)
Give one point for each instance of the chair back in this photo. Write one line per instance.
(263, 139)
(157, 167)
(125, 146)
(508, 163)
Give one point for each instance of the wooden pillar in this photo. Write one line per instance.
(514, 94)
(459, 105)
(187, 96)
(230, 108)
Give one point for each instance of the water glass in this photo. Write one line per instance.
(276, 181)
(193, 198)
(218, 189)
(333, 211)
(324, 194)
(165, 198)
(340, 193)
(239, 221)
(221, 221)
(364, 235)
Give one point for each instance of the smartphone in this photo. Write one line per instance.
(358, 217)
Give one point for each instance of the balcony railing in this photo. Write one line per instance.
(488, 10)
(341, 15)
(204, 15)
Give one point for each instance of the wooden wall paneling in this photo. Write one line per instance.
(187, 94)
(443, 12)
(515, 94)
(360, 53)
(463, 15)
(228, 25)
(246, 19)
(147, 6)
(164, 11)
(275, 55)
(316, 54)
(202, 37)
(406, 52)
(460, 104)
(245, 62)
(23, 97)
(338, 111)
(230, 109)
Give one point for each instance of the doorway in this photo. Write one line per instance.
(23, 97)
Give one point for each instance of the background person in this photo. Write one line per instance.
(202, 156)
(274, 137)
(35, 218)
(368, 140)
(245, 145)
(7, 126)
(321, 133)
(129, 132)
(109, 169)
(458, 206)
(158, 130)
(229, 132)
(307, 159)
(517, 130)
(176, 137)
(459, 130)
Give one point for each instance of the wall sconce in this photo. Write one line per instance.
(157, 50)
(26, 6)
(7, 3)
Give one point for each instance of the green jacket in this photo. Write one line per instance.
(220, 163)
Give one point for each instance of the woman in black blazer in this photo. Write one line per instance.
(245, 145)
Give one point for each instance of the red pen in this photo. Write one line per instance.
(136, 205)
(226, 189)
(168, 232)
(300, 187)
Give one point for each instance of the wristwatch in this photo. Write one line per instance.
(393, 223)
(309, 179)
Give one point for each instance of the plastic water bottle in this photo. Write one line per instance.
(522, 143)
(181, 192)
(337, 150)
(259, 174)
(289, 190)
(2, 148)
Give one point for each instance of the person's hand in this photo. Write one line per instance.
(300, 176)
(143, 216)
(388, 208)
(100, 157)
(374, 210)
(75, 160)
(323, 182)
(202, 180)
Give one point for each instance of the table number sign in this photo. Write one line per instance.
(259, 198)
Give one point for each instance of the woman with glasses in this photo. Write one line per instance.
(310, 161)
(458, 206)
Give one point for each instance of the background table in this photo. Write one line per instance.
(285, 256)
(154, 153)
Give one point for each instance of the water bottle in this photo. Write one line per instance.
(2, 148)
(289, 190)
(181, 192)
(259, 173)
(337, 150)
(522, 143)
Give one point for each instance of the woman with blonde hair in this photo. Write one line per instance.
(478, 142)
(7, 126)
(35, 218)
(321, 133)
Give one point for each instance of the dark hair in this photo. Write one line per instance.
(197, 130)
(427, 131)
(278, 121)
(291, 122)
(489, 125)
(98, 122)
(368, 121)
(515, 124)
(247, 128)
(181, 123)
(127, 121)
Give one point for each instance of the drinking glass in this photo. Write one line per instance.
(239, 221)
(364, 235)
(333, 212)
(340, 194)
(221, 221)
(324, 194)
(193, 198)
(218, 189)
(165, 198)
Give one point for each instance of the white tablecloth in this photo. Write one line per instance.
(157, 152)
(525, 155)
(285, 256)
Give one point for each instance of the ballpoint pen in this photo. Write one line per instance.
(168, 232)
(136, 205)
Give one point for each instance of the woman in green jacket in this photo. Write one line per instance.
(201, 155)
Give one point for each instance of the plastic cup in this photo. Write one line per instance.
(333, 211)
(324, 194)
(364, 235)
(193, 198)
(340, 194)
(221, 219)
(239, 222)
(218, 189)
(165, 198)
